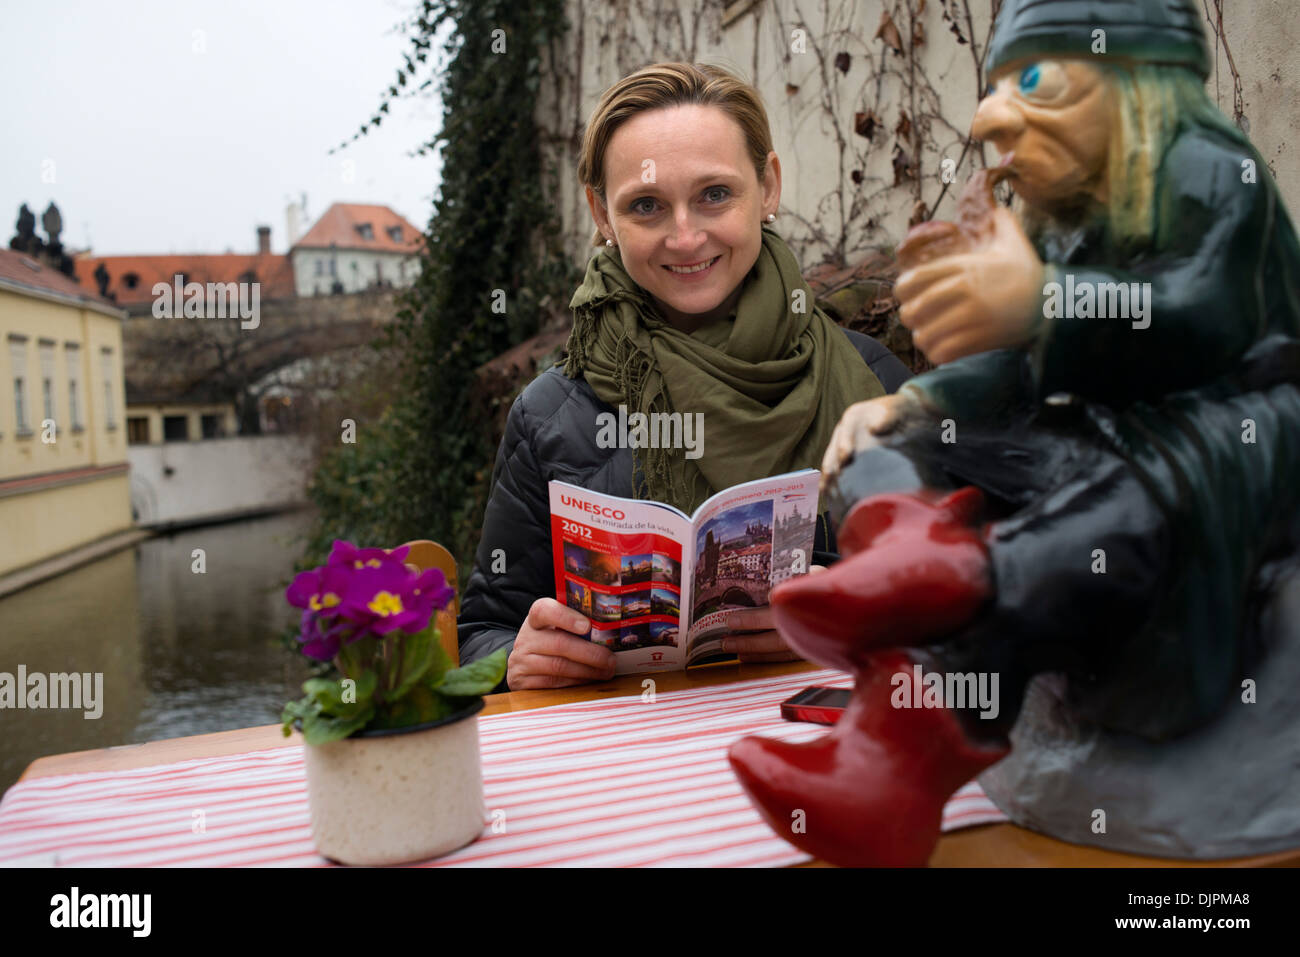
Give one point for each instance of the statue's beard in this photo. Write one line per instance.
(1057, 224)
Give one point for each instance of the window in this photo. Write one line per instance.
(137, 430)
(366, 231)
(47, 379)
(333, 269)
(106, 370)
(131, 280)
(20, 404)
(211, 425)
(18, 369)
(73, 353)
(176, 428)
(320, 267)
(395, 233)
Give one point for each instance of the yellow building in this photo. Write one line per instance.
(63, 435)
(151, 423)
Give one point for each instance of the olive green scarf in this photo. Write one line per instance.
(771, 382)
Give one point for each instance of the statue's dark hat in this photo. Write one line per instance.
(1149, 31)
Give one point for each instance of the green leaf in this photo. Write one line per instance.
(421, 704)
(355, 656)
(329, 694)
(476, 678)
(423, 662)
(321, 728)
(298, 711)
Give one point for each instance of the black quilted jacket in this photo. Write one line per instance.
(551, 434)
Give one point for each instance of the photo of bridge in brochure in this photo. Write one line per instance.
(658, 584)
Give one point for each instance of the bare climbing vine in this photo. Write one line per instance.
(1221, 40)
(864, 91)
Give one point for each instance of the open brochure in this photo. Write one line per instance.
(657, 583)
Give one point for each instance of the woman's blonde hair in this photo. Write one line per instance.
(663, 85)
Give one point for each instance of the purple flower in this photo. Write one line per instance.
(321, 637)
(345, 553)
(320, 590)
(361, 592)
(384, 598)
(432, 587)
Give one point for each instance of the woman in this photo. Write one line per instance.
(692, 305)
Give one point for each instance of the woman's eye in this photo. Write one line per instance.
(714, 194)
(1029, 78)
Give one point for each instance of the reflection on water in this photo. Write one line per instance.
(181, 652)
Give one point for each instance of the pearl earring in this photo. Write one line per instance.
(609, 242)
(771, 217)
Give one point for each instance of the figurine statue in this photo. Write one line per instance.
(53, 223)
(25, 239)
(54, 254)
(1092, 504)
(102, 279)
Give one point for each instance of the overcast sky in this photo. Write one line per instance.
(156, 147)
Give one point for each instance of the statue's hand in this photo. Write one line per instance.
(988, 298)
(862, 425)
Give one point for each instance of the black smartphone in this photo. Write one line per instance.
(818, 705)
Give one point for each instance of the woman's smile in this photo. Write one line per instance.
(694, 272)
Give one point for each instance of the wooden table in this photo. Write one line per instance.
(989, 845)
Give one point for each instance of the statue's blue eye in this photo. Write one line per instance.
(1029, 79)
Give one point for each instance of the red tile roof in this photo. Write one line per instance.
(24, 270)
(274, 272)
(340, 227)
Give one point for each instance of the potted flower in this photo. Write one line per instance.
(392, 749)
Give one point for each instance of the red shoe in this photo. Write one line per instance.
(871, 517)
(915, 570)
(871, 792)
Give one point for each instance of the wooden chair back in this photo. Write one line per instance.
(424, 555)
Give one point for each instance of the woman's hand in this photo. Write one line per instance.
(549, 654)
(765, 642)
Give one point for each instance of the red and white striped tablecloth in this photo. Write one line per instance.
(618, 782)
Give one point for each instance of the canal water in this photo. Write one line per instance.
(181, 651)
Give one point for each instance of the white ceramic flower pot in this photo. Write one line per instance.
(393, 797)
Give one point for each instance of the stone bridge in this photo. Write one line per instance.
(221, 360)
(734, 591)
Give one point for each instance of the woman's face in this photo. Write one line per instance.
(1050, 120)
(682, 192)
